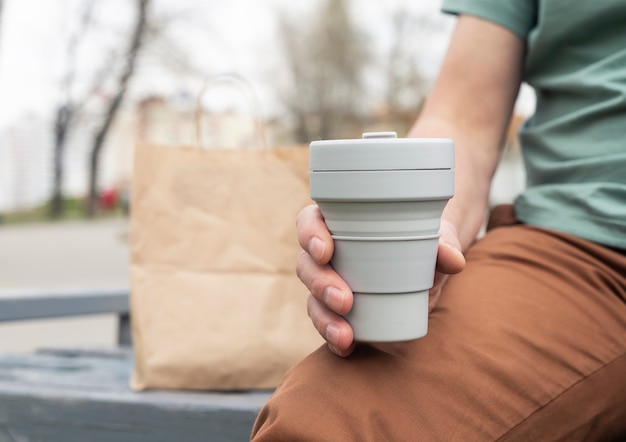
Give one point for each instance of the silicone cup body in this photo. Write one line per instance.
(384, 219)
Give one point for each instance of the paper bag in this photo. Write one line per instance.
(215, 302)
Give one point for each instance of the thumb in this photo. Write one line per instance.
(450, 259)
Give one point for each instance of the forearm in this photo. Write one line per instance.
(471, 102)
(475, 163)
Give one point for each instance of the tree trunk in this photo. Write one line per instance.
(61, 127)
(114, 105)
(65, 112)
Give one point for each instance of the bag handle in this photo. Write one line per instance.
(247, 91)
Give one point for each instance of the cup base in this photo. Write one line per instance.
(389, 317)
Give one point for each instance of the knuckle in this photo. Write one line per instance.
(304, 215)
(301, 264)
(299, 217)
(311, 275)
(314, 313)
(317, 285)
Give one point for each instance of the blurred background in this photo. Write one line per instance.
(81, 81)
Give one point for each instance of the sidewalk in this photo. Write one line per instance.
(75, 254)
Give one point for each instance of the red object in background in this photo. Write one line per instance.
(108, 199)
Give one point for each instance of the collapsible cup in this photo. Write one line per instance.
(382, 198)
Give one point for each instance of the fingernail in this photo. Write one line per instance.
(334, 299)
(316, 248)
(332, 334)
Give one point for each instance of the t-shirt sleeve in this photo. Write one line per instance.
(518, 16)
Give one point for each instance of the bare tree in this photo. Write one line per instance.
(406, 86)
(78, 93)
(66, 111)
(120, 88)
(326, 55)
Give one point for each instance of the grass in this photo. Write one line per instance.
(73, 209)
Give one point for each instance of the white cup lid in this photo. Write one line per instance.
(382, 151)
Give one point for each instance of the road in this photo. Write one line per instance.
(75, 254)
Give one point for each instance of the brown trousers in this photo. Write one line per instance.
(528, 343)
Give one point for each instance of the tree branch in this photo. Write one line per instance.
(115, 103)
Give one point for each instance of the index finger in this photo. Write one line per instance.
(313, 235)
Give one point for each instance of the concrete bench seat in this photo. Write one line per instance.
(82, 394)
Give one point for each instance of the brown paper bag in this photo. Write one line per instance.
(215, 301)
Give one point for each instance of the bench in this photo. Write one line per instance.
(81, 394)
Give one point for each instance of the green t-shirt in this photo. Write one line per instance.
(574, 146)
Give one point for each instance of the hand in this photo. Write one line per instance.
(450, 260)
(331, 296)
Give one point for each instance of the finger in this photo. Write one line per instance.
(324, 284)
(313, 235)
(450, 259)
(333, 328)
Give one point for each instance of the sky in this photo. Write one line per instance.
(213, 36)
(216, 36)
(206, 38)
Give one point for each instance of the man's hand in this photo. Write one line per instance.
(331, 297)
(450, 260)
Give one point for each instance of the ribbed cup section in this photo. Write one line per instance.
(382, 199)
